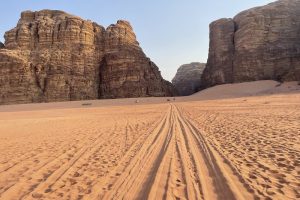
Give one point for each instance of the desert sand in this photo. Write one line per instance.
(243, 143)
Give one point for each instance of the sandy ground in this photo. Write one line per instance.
(246, 147)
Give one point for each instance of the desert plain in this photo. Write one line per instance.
(237, 146)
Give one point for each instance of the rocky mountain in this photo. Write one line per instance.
(187, 78)
(54, 56)
(257, 44)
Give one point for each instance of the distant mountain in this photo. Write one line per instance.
(187, 78)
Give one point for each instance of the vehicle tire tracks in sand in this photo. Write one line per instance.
(174, 162)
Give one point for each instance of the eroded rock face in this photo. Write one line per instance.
(259, 43)
(187, 79)
(54, 56)
(221, 52)
(126, 66)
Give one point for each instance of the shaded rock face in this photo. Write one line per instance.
(257, 44)
(1, 45)
(54, 56)
(187, 79)
(126, 66)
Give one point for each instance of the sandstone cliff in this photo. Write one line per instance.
(54, 56)
(187, 78)
(126, 66)
(259, 43)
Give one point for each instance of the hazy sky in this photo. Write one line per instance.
(171, 32)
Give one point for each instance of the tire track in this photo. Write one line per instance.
(215, 186)
(160, 185)
(220, 174)
(38, 179)
(103, 186)
(189, 161)
(171, 159)
(143, 167)
(174, 162)
(38, 174)
(59, 173)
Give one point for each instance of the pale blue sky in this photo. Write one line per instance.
(171, 33)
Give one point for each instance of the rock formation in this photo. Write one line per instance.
(126, 66)
(257, 44)
(1, 45)
(54, 56)
(187, 78)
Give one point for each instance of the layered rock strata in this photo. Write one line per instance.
(54, 56)
(257, 44)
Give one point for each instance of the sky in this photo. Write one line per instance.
(171, 32)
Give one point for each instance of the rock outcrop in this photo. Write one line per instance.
(1, 45)
(187, 79)
(126, 66)
(54, 56)
(257, 44)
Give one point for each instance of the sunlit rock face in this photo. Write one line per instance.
(187, 79)
(54, 56)
(257, 44)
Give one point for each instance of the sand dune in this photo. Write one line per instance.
(255, 88)
(241, 148)
(237, 90)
